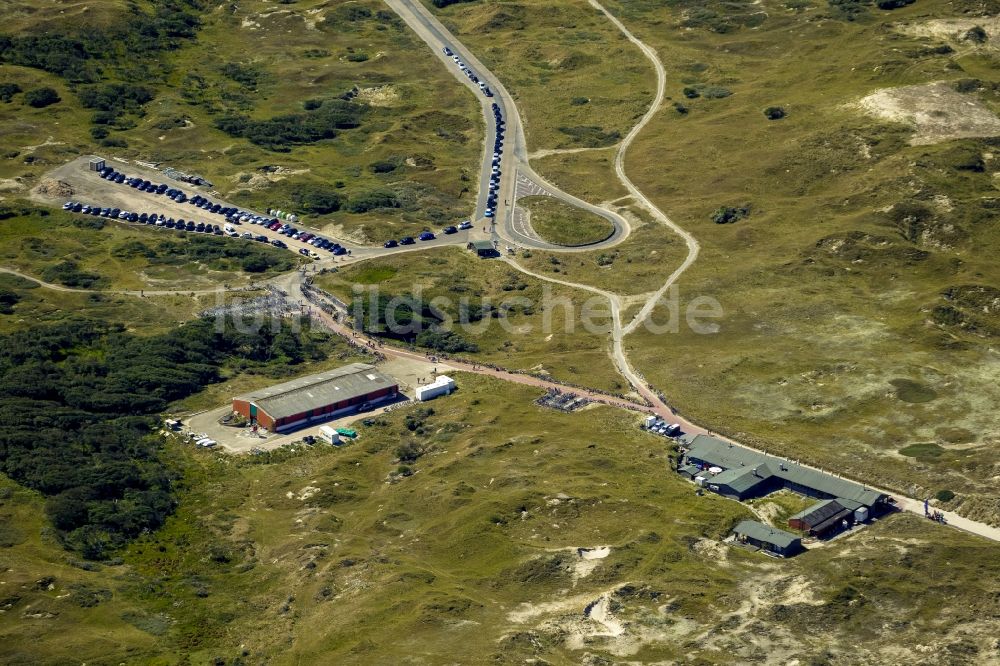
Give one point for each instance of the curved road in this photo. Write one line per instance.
(430, 30)
(515, 153)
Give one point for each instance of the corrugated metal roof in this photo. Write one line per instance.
(315, 391)
(742, 479)
(765, 533)
(819, 512)
(728, 456)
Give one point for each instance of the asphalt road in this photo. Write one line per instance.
(515, 152)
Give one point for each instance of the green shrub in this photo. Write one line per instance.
(730, 214)
(317, 199)
(8, 90)
(247, 76)
(579, 101)
(774, 113)
(40, 98)
(70, 274)
(691, 93)
(8, 299)
(372, 200)
(976, 35)
(282, 132)
(944, 496)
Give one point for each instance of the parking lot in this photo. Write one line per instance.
(89, 188)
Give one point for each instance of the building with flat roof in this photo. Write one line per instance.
(318, 397)
(767, 538)
(483, 248)
(738, 472)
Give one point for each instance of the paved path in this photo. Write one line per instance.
(515, 155)
(621, 361)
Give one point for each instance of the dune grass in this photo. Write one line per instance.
(560, 223)
(322, 554)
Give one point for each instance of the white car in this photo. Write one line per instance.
(465, 225)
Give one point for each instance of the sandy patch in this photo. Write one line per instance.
(11, 185)
(936, 111)
(378, 96)
(954, 29)
(588, 560)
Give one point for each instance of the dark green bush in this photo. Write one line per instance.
(372, 200)
(282, 132)
(730, 214)
(944, 495)
(8, 90)
(317, 199)
(774, 113)
(39, 98)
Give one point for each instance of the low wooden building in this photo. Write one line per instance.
(765, 537)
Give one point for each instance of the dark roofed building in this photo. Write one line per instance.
(742, 482)
(316, 398)
(483, 248)
(768, 538)
(706, 452)
(821, 518)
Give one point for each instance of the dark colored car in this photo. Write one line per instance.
(406, 240)
(390, 243)
(278, 243)
(339, 250)
(451, 230)
(426, 236)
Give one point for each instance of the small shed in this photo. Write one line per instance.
(483, 249)
(821, 518)
(96, 164)
(765, 537)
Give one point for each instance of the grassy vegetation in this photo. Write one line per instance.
(577, 82)
(588, 174)
(635, 266)
(410, 112)
(297, 556)
(516, 336)
(853, 259)
(85, 252)
(563, 224)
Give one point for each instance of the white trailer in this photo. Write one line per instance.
(329, 435)
(443, 385)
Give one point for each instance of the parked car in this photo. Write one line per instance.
(339, 250)
(303, 251)
(278, 243)
(406, 240)
(426, 236)
(390, 243)
(465, 225)
(451, 230)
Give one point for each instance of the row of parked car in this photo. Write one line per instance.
(491, 199)
(286, 229)
(138, 183)
(160, 220)
(427, 235)
(232, 214)
(468, 72)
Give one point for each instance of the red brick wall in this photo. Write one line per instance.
(265, 420)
